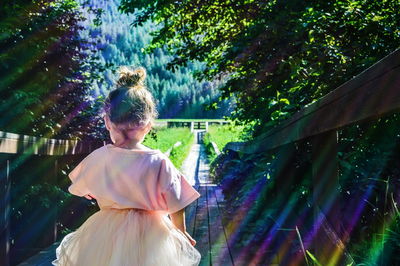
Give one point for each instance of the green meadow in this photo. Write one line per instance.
(221, 135)
(164, 138)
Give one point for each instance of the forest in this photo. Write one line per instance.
(180, 95)
(63, 64)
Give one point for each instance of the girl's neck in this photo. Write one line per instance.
(132, 145)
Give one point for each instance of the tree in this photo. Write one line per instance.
(275, 56)
(123, 44)
(45, 70)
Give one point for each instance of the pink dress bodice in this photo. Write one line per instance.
(122, 178)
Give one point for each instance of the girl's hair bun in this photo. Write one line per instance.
(131, 78)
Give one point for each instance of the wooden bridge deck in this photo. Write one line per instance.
(204, 221)
(203, 217)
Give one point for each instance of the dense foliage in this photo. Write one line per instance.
(268, 195)
(277, 55)
(46, 69)
(178, 94)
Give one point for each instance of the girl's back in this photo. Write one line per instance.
(123, 178)
(135, 188)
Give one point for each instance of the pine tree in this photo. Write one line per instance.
(123, 45)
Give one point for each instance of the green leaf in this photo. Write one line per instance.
(284, 100)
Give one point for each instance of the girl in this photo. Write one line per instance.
(135, 187)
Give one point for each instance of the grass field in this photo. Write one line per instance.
(221, 135)
(179, 154)
(164, 138)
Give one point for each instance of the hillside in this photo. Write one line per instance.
(178, 94)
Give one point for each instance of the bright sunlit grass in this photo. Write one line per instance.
(221, 135)
(167, 137)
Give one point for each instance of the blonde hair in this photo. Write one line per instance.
(130, 105)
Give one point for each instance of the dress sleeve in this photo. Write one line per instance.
(175, 189)
(78, 186)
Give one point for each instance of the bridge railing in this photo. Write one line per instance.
(370, 95)
(32, 170)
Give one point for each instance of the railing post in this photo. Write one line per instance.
(326, 197)
(5, 186)
(55, 182)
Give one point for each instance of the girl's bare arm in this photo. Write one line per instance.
(178, 219)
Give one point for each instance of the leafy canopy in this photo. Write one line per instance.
(46, 69)
(277, 56)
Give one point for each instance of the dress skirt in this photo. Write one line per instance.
(126, 237)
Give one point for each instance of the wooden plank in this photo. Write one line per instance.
(371, 94)
(25, 144)
(220, 253)
(5, 186)
(201, 232)
(56, 209)
(325, 171)
(190, 215)
(370, 75)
